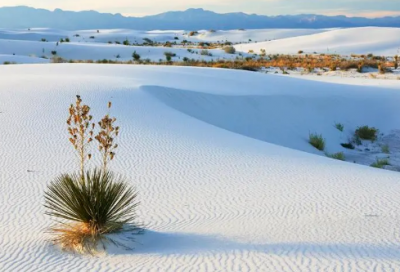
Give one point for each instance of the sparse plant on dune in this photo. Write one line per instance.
(136, 56)
(380, 163)
(91, 204)
(339, 126)
(367, 133)
(385, 149)
(229, 49)
(396, 62)
(317, 141)
(337, 156)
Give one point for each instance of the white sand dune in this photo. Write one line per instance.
(26, 42)
(362, 40)
(21, 59)
(99, 51)
(255, 35)
(204, 147)
(106, 35)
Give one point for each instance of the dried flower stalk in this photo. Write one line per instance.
(106, 136)
(80, 128)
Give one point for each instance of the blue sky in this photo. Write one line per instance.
(367, 8)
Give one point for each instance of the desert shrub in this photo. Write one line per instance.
(381, 68)
(43, 40)
(212, 31)
(317, 141)
(380, 163)
(91, 37)
(126, 42)
(56, 59)
(67, 40)
(339, 126)
(136, 56)
(367, 133)
(337, 156)
(61, 40)
(169, 55)
(176, 38)
(396, 62)
(385, 149)
(300, 52)
(117, 42)
(347, 145)
(118, 56)
(229, 49)
(205, 52)
(9, 62)
(193, 33)
(54, 52)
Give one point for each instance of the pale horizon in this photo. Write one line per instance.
(354, 8)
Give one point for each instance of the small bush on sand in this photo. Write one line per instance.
(339, 126)
(367, 133)
(380, 163)
(337, 156)
(136, 56)
(54, 52)
(317, 141)
(229, 49)
(89, 205)
(385, 149)
(205, 52)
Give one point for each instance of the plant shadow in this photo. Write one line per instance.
(163, 243)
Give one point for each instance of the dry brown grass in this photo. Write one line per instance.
(78, 237)
(308, 62)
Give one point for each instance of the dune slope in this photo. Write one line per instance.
(361, 40)
(215, 196)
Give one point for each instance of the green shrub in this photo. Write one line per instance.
(380, 163)
(317, 141)
(367, 133)
(339, 126)
(337, 156)
(136, 56)
(385, 149)
(205, 52)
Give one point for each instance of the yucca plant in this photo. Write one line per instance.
(89, 210)
(90, 204)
